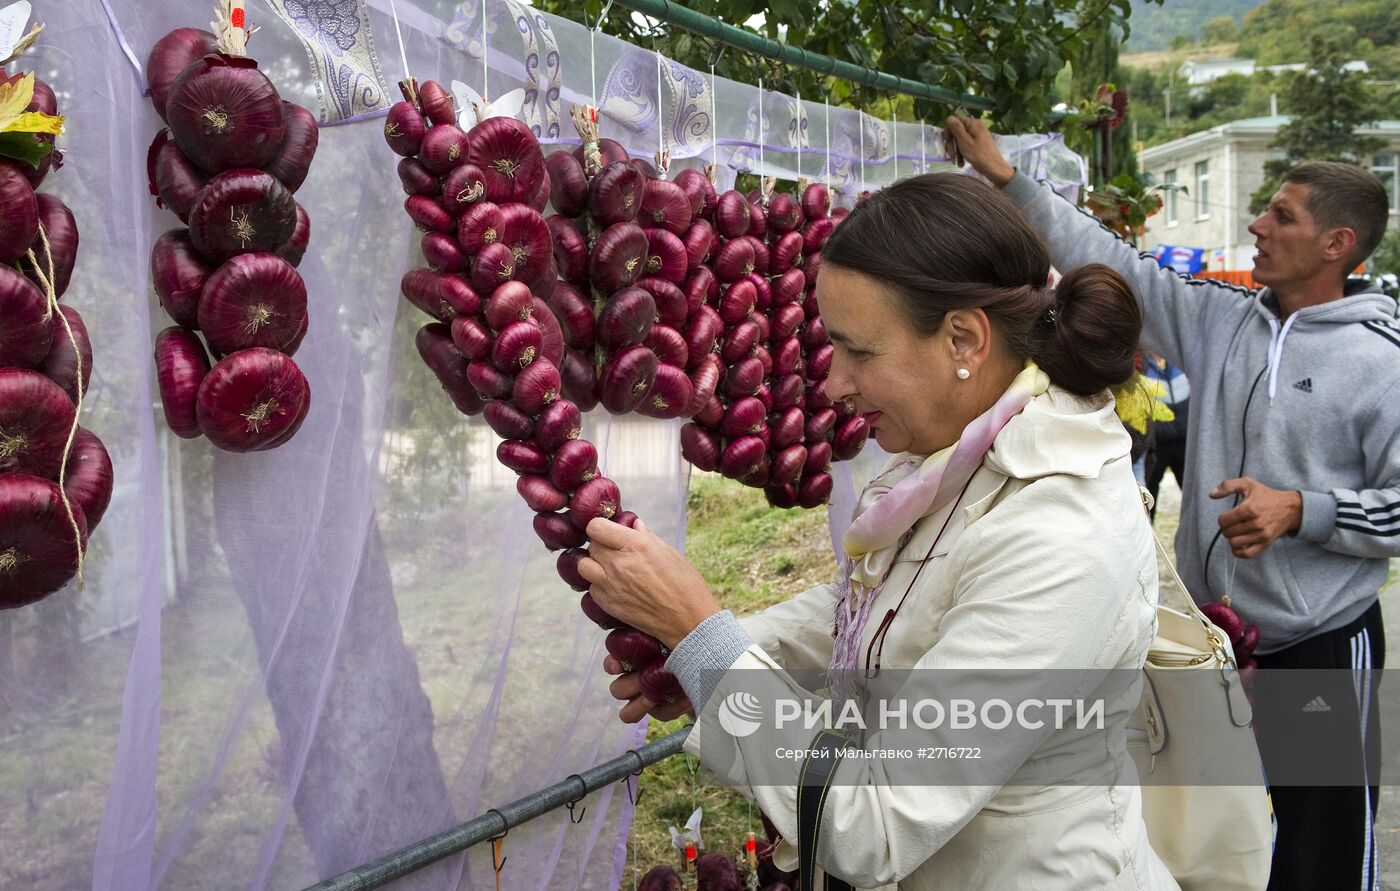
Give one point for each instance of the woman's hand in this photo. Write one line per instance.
(641, 580)
(628, 688)
(979, 147)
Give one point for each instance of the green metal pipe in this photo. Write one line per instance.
(749, 42)
(497, 821)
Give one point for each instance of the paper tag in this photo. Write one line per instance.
(13, 19)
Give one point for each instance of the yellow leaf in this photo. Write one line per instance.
(35, 122)
(14, 99)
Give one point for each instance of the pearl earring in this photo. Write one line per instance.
(964, 374)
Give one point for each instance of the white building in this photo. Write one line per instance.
(1220, 168)
(1199, 72)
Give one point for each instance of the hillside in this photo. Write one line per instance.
(1154, 26)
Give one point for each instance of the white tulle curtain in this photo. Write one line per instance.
(286, 664)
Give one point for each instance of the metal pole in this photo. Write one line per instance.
(749, 42)
(496, 821)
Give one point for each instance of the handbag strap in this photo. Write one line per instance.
(1185, 603)
(824, 755)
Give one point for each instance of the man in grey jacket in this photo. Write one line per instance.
(1293, 454)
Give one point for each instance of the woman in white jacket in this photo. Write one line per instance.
(1006, 533)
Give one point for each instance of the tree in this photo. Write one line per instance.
(1007, 51)
(1220, 29)
(1328, 104)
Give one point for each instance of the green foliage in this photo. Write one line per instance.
(1125, 202)
(1155, 25)
(1386, 259)
(1282, 31)
(1008, 51)
(1221, 29)
(1327, 105)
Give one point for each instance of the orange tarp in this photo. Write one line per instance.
(1241, 277)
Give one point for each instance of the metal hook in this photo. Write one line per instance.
(581, 811)
(496, 864)
(633, 798)
(717, 53)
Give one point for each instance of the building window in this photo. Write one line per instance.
(1202, 189)
(1386, 167)
(1170, 198)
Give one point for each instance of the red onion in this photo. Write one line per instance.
(625, 319)
(786, 321)
(819, 361)
(618, 258)
(253, 300)
(627, 378)
(19, 213)
(788, 287)
(239, 212)
(567, 566)
(814, 490)
(764, 329)
(734, 260)
(551, 334)
(671, 306)
(699, 189)
(181, 365)
(665, 205)
(417, 180)
(557, 532)
(599, 497)
(814, 334)
(568, 188)
(787, 357)
(820, 425)
(704, 379)
(815, 235)
(786, 466)
(404, 129)
(444, 148)
(523, 457)
(632, 648)
(508, 421)
(440, 295)
(816, 396)
(666, 256)
(537, 385)
(251, 400)
(699, 242)
(732, 215)
(786, 250)
(745, 417)
(668, 345)
(463, 187)
(788, 429)
(765, 293)
(702, 333)
(441, 253)
(570, 248)
(811, 267)
(758, 221)
(700, 287)
(710, 413)
(816, 201)
(743, 378)
(539, 200)
(174, 179)
(471, 338)
(293, 160)
(615, 194)
(489, 381)
(738, 302)
(764, 395)
(739, 342)
(590, 607)
(784, 214)
(575, 462)
(428, 214)
(436, 102)
(741, 456)
(509, 156)
(574, 315)
(25, 335)
(295, 247)
(87, 477)
(35, 416)
(761, 255)
(171, 55)
(758, 477)
(527, 235)
(660, 686)
(517, 345)
(540, 495)
(580, 380)
(559, 423)
(225, 113)
(610, 150)
(670, 393)
(700, 447)
(850, 438)
(436, 349)
(787, 391)
(494, 266)
(511, 302)
(62, 234)
(783, 497)
(37, 552)
(479, 226)
(61, 364)
(818, 456)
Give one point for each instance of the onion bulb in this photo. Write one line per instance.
(38, 554)
(253, 399)
(35, 416)
(25, 334)
(225, 113)
(239, 212)
(172, 54)
(87, 477)
(181, 364)
(253, 300)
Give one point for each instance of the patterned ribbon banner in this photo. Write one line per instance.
(340, 47)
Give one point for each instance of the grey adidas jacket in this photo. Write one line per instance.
(1310, 403)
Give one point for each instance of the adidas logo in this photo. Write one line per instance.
(1305, 385)
(1318, 704)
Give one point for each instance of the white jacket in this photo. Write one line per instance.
(1048, 563)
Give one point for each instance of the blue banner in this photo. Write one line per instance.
(1180, 259)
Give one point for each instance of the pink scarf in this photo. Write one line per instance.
(911, 488)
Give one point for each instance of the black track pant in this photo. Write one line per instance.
(1326, 834)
